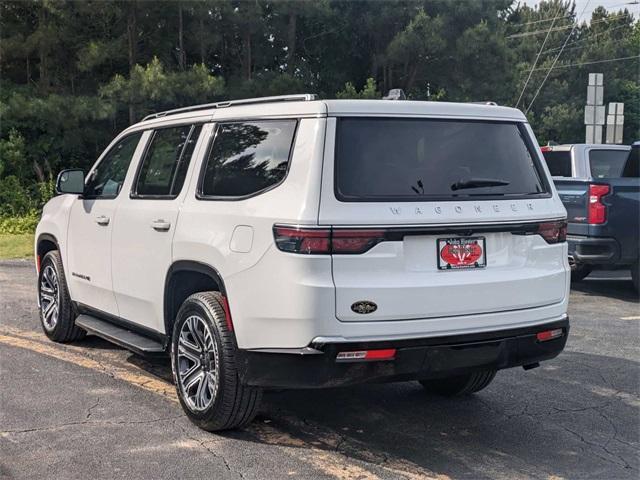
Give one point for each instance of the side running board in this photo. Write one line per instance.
(120, 336)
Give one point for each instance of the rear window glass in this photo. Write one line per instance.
(248, 157)
(559, 163)
(386, 159)
(607, 163)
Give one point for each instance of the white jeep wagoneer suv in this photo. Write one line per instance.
(289, 242)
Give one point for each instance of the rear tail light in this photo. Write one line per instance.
(546, 148)
(367, 355)
(597, 213)
(326, 241)
(549, 335)
(553, 232)
(303, 240)
(355, 241)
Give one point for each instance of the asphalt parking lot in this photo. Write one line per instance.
(93, 410)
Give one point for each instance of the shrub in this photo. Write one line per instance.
(17, 200)
(14, 198)
(20, 224)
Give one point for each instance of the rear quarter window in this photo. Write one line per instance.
(607, 163)
(559, 163)
(400, 159)
(632, 167)
(247, 158)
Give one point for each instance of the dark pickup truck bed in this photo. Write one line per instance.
(600, 188)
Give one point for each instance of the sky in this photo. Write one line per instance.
(632, 5)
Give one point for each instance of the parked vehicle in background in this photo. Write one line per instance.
(290, 242)
(600, 189)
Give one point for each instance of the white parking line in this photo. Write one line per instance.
(637, 317)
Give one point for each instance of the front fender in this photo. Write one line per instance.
(54, 223)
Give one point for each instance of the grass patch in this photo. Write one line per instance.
(18, 245)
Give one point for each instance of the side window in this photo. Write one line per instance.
(164, 166)
(247, 158)
(607, 163)
(632, 168)
(107, 178)
(559, 163)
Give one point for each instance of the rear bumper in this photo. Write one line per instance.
(316, 366)
(593, 250)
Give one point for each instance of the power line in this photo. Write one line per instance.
(556, 59)
(538, 56)
(590, 37)
(564, 27)
(632, 2)
(539, 21)
(637, 57)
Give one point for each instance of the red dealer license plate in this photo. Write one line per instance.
(461, 252)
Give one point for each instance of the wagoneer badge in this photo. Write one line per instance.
(364, 306)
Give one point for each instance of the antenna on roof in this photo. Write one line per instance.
(487, 102)
(395, 94)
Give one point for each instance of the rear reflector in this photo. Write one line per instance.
(549, 335)
(553, 232)
(366, 355)
(227, 313)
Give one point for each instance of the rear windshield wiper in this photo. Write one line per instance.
(478, 182)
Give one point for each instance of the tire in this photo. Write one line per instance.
(57, 315)
(580, 272)
(218, 401)
(635, 273)
(460, 384)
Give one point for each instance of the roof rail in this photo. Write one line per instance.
(303, 97)
(488, 102)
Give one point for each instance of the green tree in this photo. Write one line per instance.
(369, 91)
(73, 73)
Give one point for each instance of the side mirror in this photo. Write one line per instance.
(70, 181)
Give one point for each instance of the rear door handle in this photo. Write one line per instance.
(160, 225)
(102, 220)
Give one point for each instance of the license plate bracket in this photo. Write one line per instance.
(458, 253)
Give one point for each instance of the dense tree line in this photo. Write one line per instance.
(74, 73)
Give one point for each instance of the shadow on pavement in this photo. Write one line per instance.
(613, 288)
(159, 367)
(92, 342)
(575, 417)
(564, 420)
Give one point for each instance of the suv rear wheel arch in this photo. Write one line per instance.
(184, 278)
